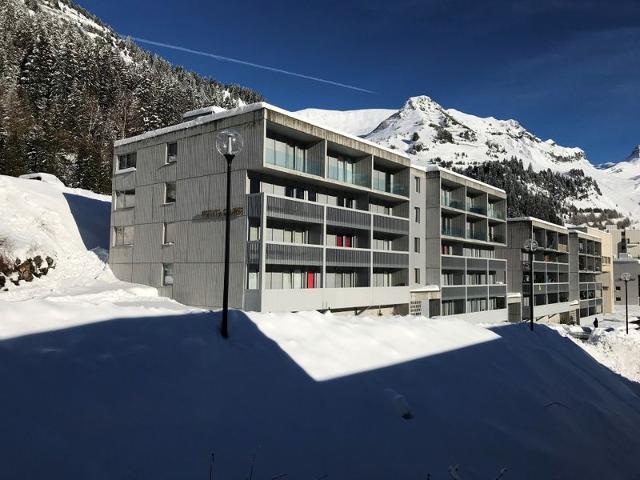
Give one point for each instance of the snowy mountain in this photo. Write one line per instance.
(353, 122)
(430, 133)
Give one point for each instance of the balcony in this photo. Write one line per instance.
(453, 232)
(496, 238)
(448, 202)
(495, 212)
(476, 235)
(476, 209)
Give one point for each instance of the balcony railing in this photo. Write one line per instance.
(496, 237)
(476, 209)
(477, 235)
(496, 213)
(451, 203)
(453, 232)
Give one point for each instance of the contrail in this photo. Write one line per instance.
(251, 64)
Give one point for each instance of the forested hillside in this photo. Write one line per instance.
(70, 86)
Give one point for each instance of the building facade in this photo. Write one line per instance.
(320, 220)
(551, 293)
(456, 270)
(585, 273)
(606, 263)
(626, 241)
(632, 267)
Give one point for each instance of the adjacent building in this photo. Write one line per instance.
(550, 269)
(627, 264)
(320, 219)
(461, 223)
(626, 241)
(585, 273)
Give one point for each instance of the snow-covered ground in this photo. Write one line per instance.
(102, 379)
(612, 346)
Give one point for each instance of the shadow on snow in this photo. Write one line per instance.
(152, 397)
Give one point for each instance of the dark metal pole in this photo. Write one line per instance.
(224, 326)
(626, 304)
(531, 294)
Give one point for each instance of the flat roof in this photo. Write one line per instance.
(208, 118)
(437, 168)
(538, 220)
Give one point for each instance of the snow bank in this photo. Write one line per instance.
(47, 218)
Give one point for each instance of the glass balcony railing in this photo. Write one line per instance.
(453, 232)
(476, 209)
(477, 235)
(496, 237)
(448, 202)
(496, 213)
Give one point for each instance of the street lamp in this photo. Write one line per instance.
(228, 143)
(625, 277)
(530, 246)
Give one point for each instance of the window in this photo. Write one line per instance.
(617, 288)
(416, 211)
(123, 236)
(170, 192)
(126, 161)
(416, 244)
(416, 274)
(172, 152)
(340, 168)
(252, 279)
(125, 199)
(167, 274)
(417, 183)
(618, 299)
(169, 237)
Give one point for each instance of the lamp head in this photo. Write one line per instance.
(625, 277)
(229, 142)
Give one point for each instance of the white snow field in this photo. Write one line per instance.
(105, 380)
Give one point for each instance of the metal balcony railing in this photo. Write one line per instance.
(453, 232)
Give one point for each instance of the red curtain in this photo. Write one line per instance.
(310, 280)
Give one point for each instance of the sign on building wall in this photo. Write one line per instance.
(219, 213)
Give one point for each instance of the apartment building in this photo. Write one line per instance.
(461, 222)
(585, 273)
(550, 269)
(607, 274)
(320, 219)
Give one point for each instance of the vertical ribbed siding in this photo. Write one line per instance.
(294, 210)
(348, 218)
(348, 258)
(279, 254)
(393, 225)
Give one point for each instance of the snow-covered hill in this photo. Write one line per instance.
(428, 132)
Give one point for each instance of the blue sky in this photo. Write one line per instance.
(567, 70)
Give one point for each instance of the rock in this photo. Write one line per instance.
(44, 271)
(50, 262)
(3, 281)
(38, 261)
(25, 270)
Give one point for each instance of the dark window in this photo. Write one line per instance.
(172, 152)
(417, 274)
(125, 199)
(416, 244)
(170, 192)
(127, 160)
(417, 214)
(417, 179)
(254, 185)
(123, 236)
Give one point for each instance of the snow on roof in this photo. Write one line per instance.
(438, 168)
(204, 119)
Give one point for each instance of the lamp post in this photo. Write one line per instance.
(228, 143)
(530, 246)
(625, 277)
